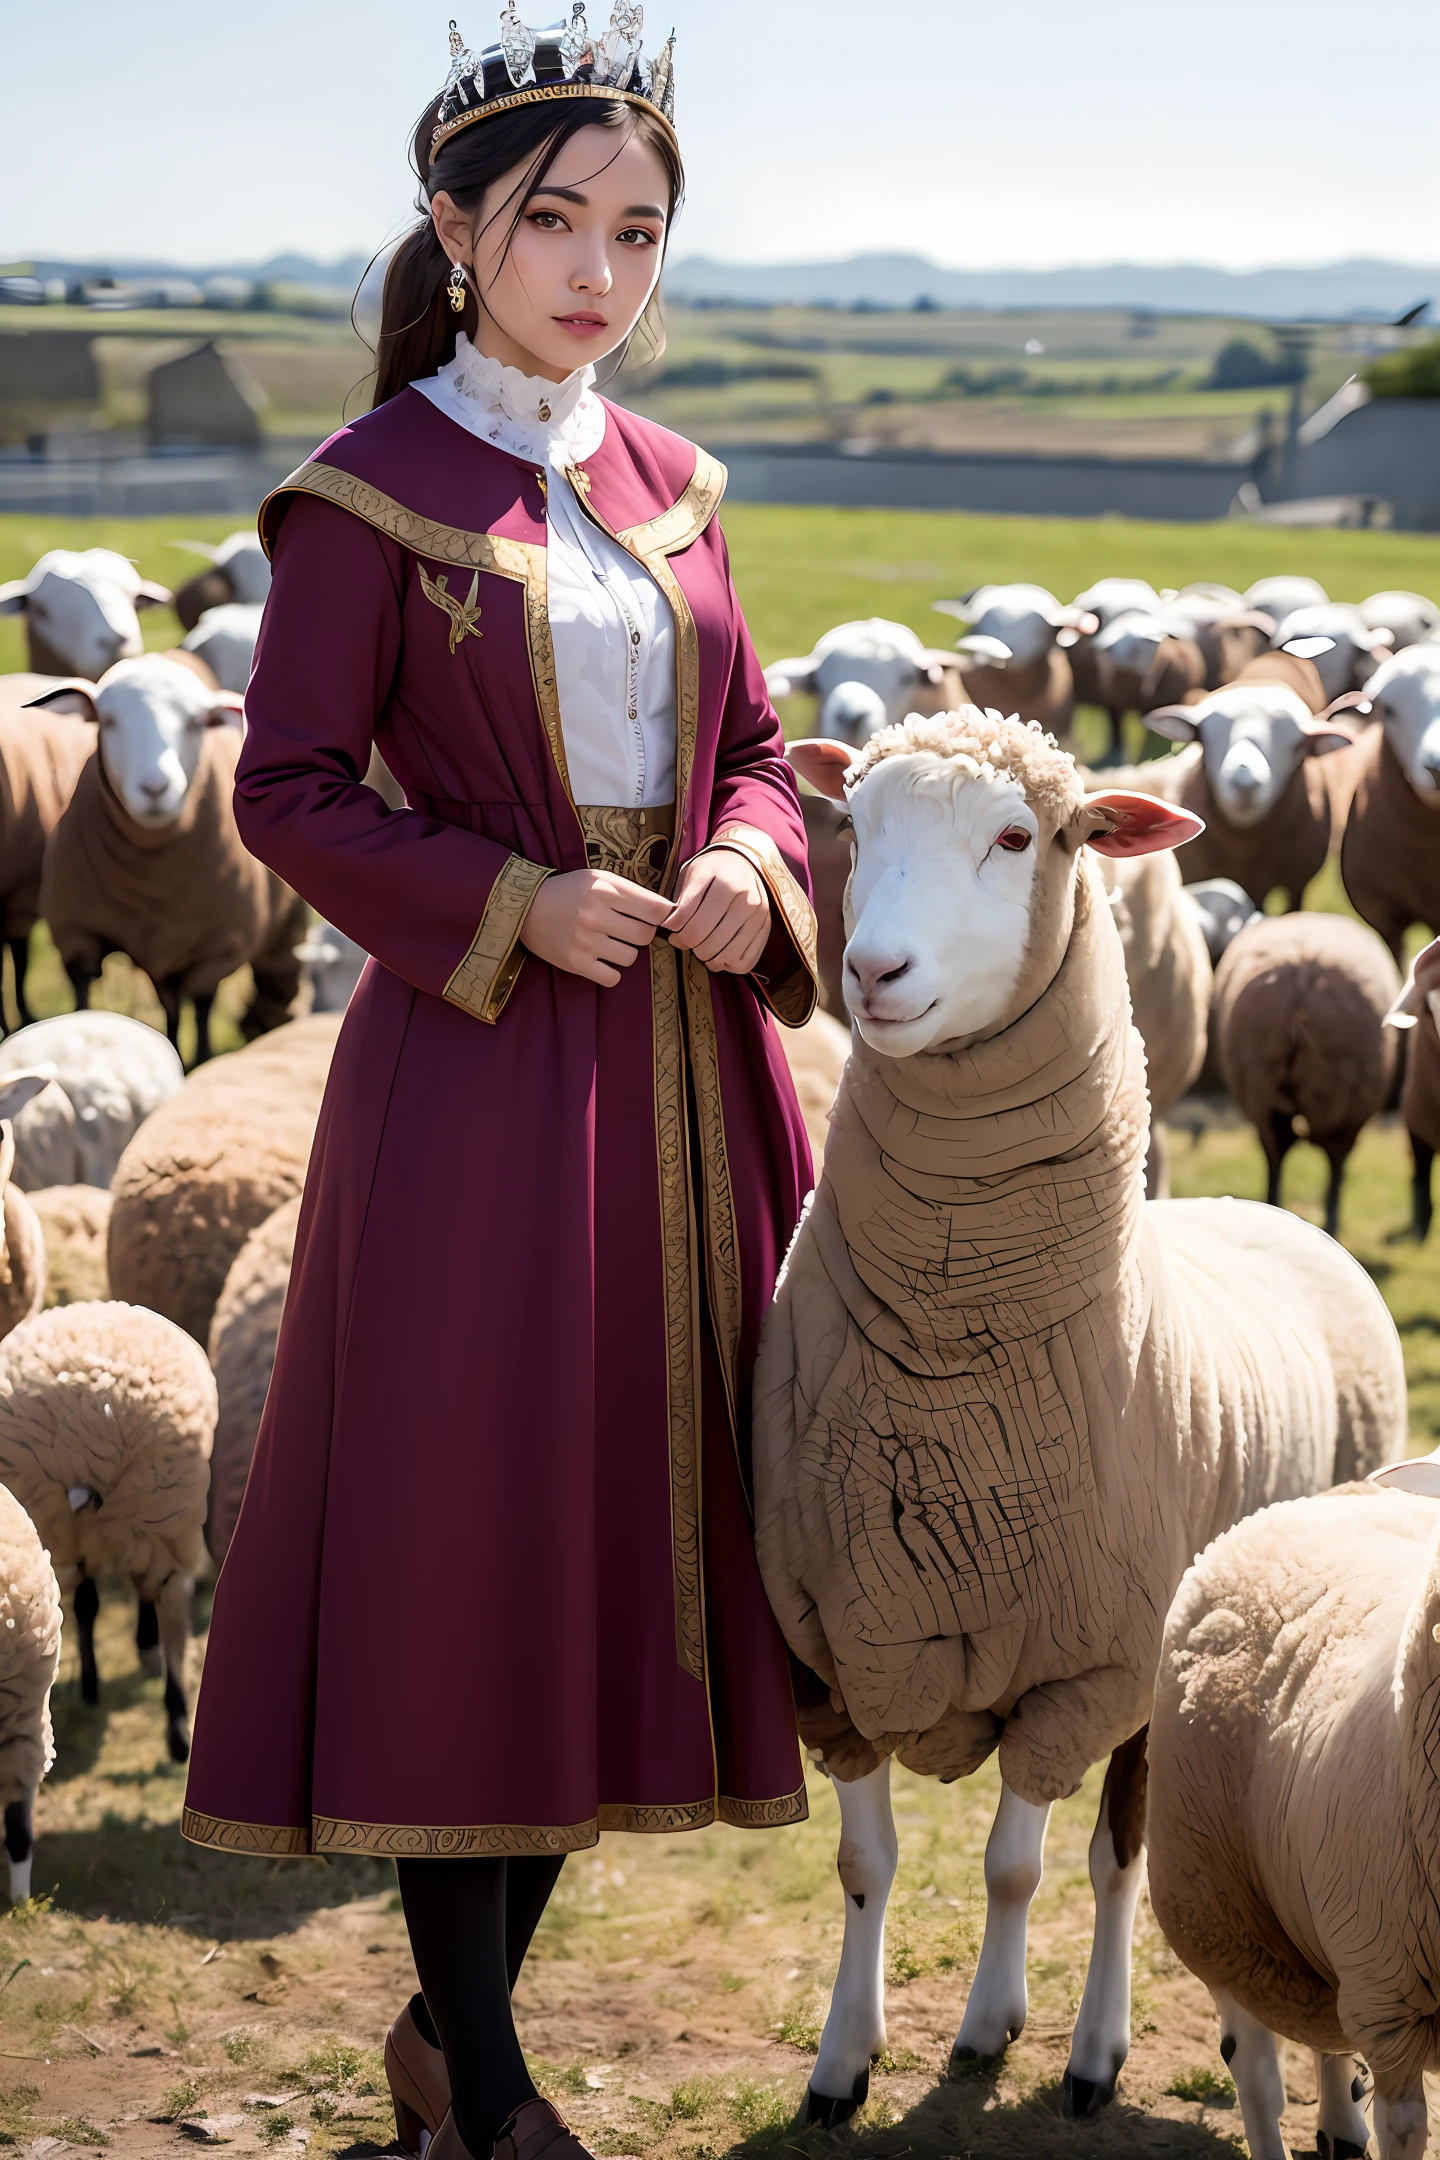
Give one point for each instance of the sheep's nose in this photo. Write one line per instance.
(879, 972)
(157, 790)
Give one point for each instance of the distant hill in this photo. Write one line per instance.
(343, 275)
(1345, 289)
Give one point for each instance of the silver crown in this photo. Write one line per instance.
(564, 60)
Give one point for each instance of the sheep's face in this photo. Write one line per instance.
(153, 718)
(1405, 694)
(1410, 618)
(1354, 651)
(224, 638)
(852, 713)
(245, 566)
(1281, 596)
(1110, 597)
(884, 657)
(1013, 626)
(1253, 739)
(81, 609)
(1129, 645)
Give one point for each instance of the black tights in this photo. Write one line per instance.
(470, 1924)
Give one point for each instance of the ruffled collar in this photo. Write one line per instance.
(552, 423)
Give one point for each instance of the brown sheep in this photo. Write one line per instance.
(1390, 857)
(1300, 1005)
(42, 755)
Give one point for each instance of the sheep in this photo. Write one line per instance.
(1140, 661)
(1410, 618)
(1300, 1005)
(210, 1164)
(1267, 809)
(1227, 632)
(1344, 647)
(1012, 654)
(1167, 967)
(1293, 1804)
(816, 1055)
(107, 1414)
(852, 712)
(22, 1245)
(239, 571)
(225, 639)
(29, 1659)
(107, 1072)
(243, 1334)
(1001, 1399)
(74, 1223)
(332, 962)
(1390, 855)
(81, 611)
(1221, 909)
(1278, 597)
(1102, 602)
(146, 859)
(41, 757)
(885, 655)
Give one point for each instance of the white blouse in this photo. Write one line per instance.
(612, 627)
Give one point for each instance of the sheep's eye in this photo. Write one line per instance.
(1014, 840)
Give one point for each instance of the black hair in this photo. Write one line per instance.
(418, 325)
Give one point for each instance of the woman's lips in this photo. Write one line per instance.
(583, 325)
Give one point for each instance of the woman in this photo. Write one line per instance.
(493, 1589)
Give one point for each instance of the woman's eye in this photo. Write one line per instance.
(1015, 839)
(547, 220)
(636, 236)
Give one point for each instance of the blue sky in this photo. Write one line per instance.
(1036, 132)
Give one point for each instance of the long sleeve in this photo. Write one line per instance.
(755, 809)
(439, 906)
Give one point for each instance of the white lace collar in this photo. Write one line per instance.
(551, 423)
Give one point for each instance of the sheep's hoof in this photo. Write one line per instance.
(177, 1740)
(1338, 2148)
(828, 2113)
(1084, 2097)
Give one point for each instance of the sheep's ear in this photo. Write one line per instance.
(1115, 822)
(1076, 623)
(783, 677)
(960, 609)
(1357, 701)
(19, 1088)
(149, 594)
(226, 710)
(824, 763)
(1308, 648)
(14, 596)
(1178, 722)
(75, 697)
(982, 651)
(1381, 637)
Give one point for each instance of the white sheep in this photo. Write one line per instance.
(147, 859)
(239, 570)
(1280, 596)
(30, 1614)
(1344, 647)
(107, 1414)
(1012, 656)
(909, 676)
(1390, 855)
(243, 1334)
(1000, 1399)
(1294, 1801)
(108, 1073)
(225, 638)
(80, 610)
(1410, 618)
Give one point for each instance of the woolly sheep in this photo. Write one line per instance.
(1140, 662)
(1101, 603)
(30, 1611)
(74, 1222)
(1167, 967)
(1011, 656)
(1300, 1004)
(108, 1073)
(243, 1334)
(816, 1055)
(1294, 1805)
(1345, 648)
(909, 676)
(1410, 618)
(1390, 855)
(107, 1414)
(1000, 1399)
(210, 1165)
(80, 610)
(22, 1247)
(1420, 1102)
(41, 758)
(239, 570)
(147, 859)
(225, 639)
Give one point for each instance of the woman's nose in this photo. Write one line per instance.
(593, 278)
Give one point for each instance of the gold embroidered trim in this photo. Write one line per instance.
(765, 1814)
(722, 1252)
(794, 996)
(487, 974)
(545, 94)
(632, 844)
(270, 1839)
(687, 699)
(681, 525)
(464, 614)
(682, 1304)
(522, 561)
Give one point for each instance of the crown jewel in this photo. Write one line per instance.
(564, 60)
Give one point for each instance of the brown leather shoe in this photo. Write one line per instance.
(535, 2129)
(419, 2083)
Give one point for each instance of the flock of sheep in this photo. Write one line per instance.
(1004, 1398)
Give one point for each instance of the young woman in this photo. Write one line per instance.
(493, 1589)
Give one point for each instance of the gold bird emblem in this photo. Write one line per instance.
(464, 614)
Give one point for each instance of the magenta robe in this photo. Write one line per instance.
(492, 1589)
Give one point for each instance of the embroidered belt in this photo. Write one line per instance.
(631, 844)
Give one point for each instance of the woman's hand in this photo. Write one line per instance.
(592, 924)
(721, 911)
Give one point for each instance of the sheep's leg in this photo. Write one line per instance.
(20, 962)
(203, 1045)
(1252, 2059)
(20, 1846)
(1343, 2133)
(855, 2027)
(1332, 1193)
(168, 993)
(1277, 1142)
(1422, 1207)
(1014, 1856)
(1117, 1871)
(81, 979)
(147, 1639)
(1401, 2125)
(175, 1604)
(87, 1605)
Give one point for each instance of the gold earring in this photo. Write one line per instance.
(457, 288)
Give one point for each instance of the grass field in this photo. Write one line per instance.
(154, 1997)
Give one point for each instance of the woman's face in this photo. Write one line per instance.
(584, 259)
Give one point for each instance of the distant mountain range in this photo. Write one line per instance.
(1360, 289)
